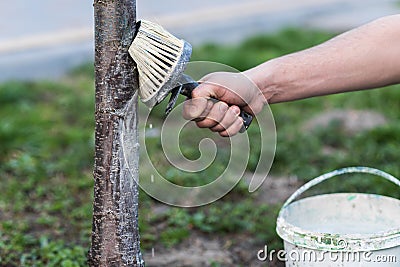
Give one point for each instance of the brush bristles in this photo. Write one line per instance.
(156, 53)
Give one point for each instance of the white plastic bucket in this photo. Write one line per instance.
(341, 229)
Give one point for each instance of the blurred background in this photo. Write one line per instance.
(47, 129)
(43, 39)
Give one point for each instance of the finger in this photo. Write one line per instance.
(194, 108)
(230, 116)
(233, 129)
(215, 115)
(206, 111)
(207, 90)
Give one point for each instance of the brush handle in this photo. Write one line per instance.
(188, 85)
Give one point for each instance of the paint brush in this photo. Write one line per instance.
(161, 59)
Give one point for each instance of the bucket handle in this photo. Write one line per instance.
(337, 172)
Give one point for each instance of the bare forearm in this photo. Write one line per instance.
(364, 58)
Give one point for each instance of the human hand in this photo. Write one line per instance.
(235, 91)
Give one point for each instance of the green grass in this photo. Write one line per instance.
(375, 148)
(46, 161)
(225, 218)
(46, 152)
(258, 49)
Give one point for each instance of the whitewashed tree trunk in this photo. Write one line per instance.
(115, 232)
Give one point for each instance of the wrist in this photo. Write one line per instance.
(266, 78)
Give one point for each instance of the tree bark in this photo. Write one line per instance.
(115, 231)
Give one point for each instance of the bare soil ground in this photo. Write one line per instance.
(230, 250)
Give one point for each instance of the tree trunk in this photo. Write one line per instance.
(115, 233)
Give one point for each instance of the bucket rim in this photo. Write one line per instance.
(334, 241)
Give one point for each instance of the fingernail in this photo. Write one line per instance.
(236, 110)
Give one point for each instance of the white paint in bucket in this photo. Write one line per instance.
(342, 229)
